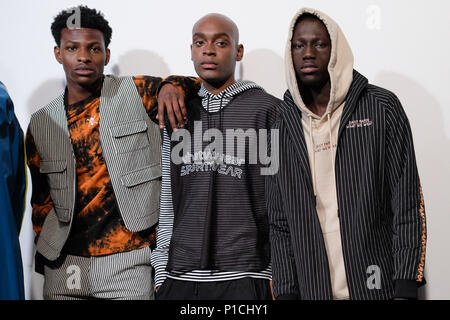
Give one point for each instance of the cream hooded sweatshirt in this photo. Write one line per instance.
(320, 133)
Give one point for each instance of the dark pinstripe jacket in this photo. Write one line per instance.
(131, 146)
(381, 209)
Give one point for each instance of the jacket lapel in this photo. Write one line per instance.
(293, 119)
(358, 84)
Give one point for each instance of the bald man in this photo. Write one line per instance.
(213, 235)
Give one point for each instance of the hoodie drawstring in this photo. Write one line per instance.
(207, 111)
(333, 159)
(313, 160)
(331, 148)
(220, 115)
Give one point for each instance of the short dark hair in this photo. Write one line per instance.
(89, 18)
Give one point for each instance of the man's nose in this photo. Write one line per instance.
(209, 49)
(84, 55)
(309, 52)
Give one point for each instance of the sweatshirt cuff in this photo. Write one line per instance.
(287, 297)
(405, 289)
(160, 276)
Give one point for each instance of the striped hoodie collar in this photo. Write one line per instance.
(233, 90)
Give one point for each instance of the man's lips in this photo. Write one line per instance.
(208, 65)
(310, 68)
(84, 71)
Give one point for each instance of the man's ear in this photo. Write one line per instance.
(57, 52)
(240, 52)
(108, 56)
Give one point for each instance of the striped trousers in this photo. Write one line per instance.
(120, 276)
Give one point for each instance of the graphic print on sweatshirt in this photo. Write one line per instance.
(210, 147)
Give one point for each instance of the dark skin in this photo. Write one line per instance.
(311, 51)
(83, 54)
(171, 102)
(215, 51)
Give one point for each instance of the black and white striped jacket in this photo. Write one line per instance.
(381, 208)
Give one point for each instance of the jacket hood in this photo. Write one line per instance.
(340, 67)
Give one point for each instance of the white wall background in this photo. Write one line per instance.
(402, 45)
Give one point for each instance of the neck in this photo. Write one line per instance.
(77, 92)
(317, 98)
(218, 87)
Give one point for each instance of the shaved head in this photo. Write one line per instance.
(228, 25)
(215, 49)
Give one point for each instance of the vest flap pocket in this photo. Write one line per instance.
(52, 166)
(63, 214)
(129, 128)
(140, 176)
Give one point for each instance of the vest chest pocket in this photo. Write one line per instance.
(56, 173)
(138, 177)
(142, 189)
(130, 136)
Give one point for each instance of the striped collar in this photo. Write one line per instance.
(213, 103)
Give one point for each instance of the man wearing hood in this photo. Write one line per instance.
(346, 209)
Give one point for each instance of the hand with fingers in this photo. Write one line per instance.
(171, 100)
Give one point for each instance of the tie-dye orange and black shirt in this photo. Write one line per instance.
(97, 227)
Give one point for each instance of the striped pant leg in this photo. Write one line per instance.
(69, 281)
(122, 276)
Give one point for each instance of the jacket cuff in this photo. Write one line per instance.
(287, 297)
(405, 289)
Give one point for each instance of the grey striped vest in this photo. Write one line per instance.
(131, 146)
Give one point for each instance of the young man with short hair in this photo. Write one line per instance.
(212, 240)
(346, 210)
(94, 155)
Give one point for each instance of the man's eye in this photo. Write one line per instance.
(95, 49)
(297, 46)
(198, 43)
(71, 48)
(221, 43)
(321, 45)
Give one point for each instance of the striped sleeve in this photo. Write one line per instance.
(409, 224)
(160, 255)
(283, 263)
